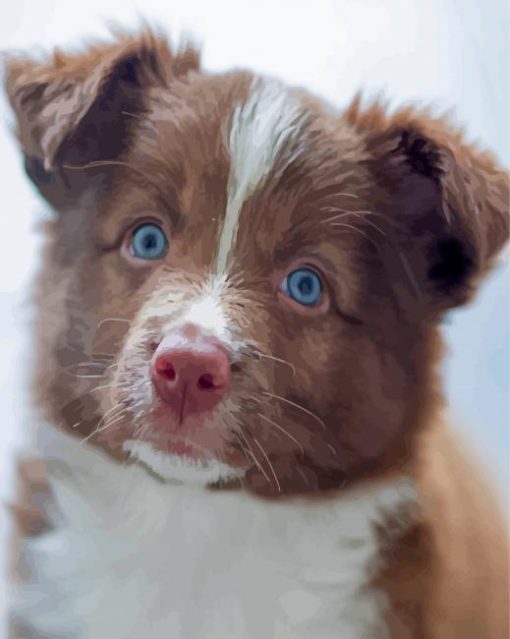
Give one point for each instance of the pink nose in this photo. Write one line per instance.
(190, 372)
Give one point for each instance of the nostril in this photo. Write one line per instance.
(165, 369)
(190, 373)
(206, 382)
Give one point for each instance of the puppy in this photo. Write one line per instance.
(238, 341)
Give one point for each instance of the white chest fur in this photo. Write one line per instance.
(139, 559)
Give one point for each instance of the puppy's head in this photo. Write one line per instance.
(240, 283)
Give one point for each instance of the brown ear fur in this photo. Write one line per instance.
(446, 200)
(75, 108)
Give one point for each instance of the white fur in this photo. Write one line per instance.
(259, 129)
(207, 312)
(138, 558)
(179, 468)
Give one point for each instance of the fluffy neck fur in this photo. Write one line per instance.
(132, 557)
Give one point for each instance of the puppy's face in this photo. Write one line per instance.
(240, 284)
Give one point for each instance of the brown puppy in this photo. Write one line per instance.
(241, 291)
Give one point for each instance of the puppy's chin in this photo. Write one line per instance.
(182, 469)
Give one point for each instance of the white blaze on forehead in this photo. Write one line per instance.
(207, 312)
(259, 129)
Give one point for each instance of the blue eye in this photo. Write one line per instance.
(149, 242)
(304, 286)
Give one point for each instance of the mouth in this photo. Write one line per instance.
(182, 463)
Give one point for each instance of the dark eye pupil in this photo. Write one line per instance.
(305, 285)
(150, 241)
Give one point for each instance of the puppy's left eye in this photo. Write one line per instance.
(304, 286)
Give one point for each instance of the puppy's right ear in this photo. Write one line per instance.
(79, 108)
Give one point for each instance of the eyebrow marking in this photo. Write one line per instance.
(258, 131)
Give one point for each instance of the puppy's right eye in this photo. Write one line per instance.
(148, 242)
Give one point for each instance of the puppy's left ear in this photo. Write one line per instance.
(446, 202)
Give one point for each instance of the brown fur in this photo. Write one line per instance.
(402, 216)
(448, 576)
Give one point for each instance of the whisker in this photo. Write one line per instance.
(248, 450)
(109, 412)
(111, 366)
(86, 367)
(106, 424)
(343, 213)
(288, 401)
(98, 163)
(280, 428)
(269, 463)
(112, 421)
(100, 387)
(87, 363)
(278, 359)
(374, 226)
(87, 437)
(303, 476)
(410, 274)
(112, 319)
(132, 115)
(363, 214)
(357, 230)
(95, 357)
(343, 194)
(84, 376)
(349, 226)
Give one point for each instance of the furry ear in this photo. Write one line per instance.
(447, 203)
(78, 108)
